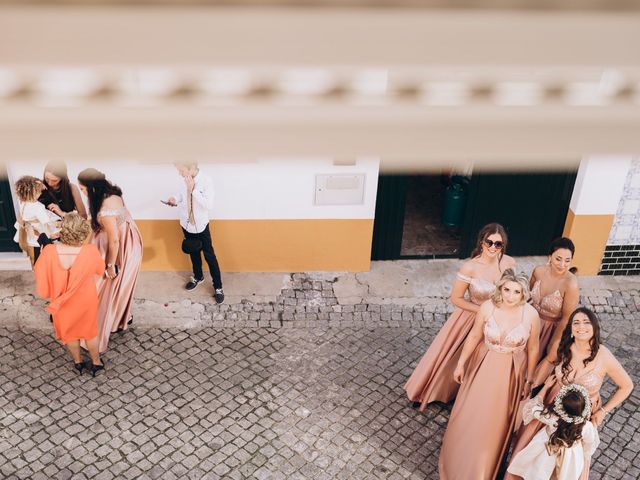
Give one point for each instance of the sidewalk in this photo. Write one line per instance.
(304, 299)
(296, 376)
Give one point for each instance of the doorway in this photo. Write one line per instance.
(409, 215)
(425, 234)
(7, 215)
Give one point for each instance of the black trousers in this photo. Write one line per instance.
(209, 255)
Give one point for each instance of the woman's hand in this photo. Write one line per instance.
(526, 390)
(55, 209)
(54, 235)
(458, 374)
(598, 417)
(110, 272)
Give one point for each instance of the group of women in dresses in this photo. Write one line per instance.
(496, 347)
(113, 233)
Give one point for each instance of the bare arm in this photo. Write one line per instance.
(622, 380)
(457, 296)
(533, 279)
(474, 337)
(77, 199)
(111, 227)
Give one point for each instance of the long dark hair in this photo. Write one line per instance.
(485, 232)
(564, 349)
(567, 433)
(98, 188)
(62, 196)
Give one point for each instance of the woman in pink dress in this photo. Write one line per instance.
(118, 239)
(432, 380)
(554, 292)
(499, 355)
(583, 360)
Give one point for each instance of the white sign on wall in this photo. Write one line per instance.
(340, 189)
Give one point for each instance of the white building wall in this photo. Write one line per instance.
(264, 189)
(626, 225)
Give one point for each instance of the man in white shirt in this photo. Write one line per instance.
(194, 201)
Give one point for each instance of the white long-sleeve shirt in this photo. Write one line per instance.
(202, 200)
(40, 219)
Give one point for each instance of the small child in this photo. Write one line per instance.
(561, 450)
(36, 218)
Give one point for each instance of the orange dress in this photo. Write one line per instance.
(73, 294)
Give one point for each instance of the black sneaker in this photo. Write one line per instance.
(193, 283)
(219, 295)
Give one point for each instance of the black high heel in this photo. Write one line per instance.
(80, 367)
(416, 404)
(96, 368)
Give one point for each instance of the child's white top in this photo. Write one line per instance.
(537, 462)
(39, 218)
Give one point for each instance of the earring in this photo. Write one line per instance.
(572, 336)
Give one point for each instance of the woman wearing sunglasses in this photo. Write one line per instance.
(554, 293)
(432, 380)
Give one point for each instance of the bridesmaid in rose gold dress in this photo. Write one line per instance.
(585, 361)
(432, 380)
(118, 239)
(501, 350)
(554, 292)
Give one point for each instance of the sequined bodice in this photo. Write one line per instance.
(122, 214)
(591, 378)
(480, 290)
(511, 341)
(549, 307)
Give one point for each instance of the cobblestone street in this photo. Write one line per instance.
(297, 388)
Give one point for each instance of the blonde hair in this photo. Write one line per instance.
(75, 230)
(509, 275)
(28, 188)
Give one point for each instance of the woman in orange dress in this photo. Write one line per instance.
(120, 244)
(432, 380)
(66, 274)
(499, 355)
(582, 360)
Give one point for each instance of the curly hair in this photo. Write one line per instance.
(28, 188)
(509, 275)
(564, 349)
(98, 188)
(75, 230)
(484, 233)
(567, 433)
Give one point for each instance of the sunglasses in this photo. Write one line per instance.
(490, 243)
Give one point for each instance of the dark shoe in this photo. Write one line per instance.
(193, 283)
(96, 368)
(416, 404)
(80, 367)
(121, 329)
(219, 295)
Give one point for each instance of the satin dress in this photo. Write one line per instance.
(484, 415)
(116, 296)
(549, 309)
(72, 291)
(590, 378)
(432, 380)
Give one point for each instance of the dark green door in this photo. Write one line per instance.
(531, 206)
(389, 220)
(7, 216)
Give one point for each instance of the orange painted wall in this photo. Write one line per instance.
(266, 245)
(590, 234)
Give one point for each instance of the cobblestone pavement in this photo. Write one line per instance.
(297, 388)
